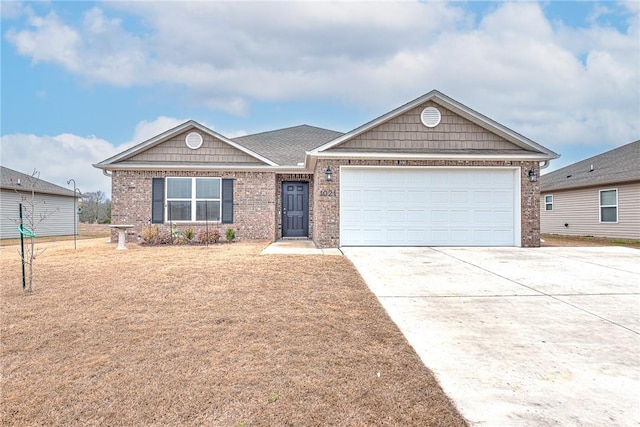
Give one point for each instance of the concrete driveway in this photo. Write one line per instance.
(520, 337)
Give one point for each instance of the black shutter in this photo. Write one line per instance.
(227, 201)
(157, 201)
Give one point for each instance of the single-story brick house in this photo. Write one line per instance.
(56, 204)
(598, 196)
(432, 172)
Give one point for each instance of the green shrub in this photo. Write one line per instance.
(230, 234)
(189, 233)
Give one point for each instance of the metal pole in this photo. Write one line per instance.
(75, 213)
(24, 282)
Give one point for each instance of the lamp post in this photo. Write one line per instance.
(75, 211)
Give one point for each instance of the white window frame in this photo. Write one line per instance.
(193, 200)
(607, 206)
(548, 206)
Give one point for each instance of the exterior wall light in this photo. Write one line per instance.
(328, 173)
(533, 177)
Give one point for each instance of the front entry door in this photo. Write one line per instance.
(295, 209)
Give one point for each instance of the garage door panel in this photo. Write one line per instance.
(427, 207)
(439, 197)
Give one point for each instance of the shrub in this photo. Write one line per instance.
(188, 233)
(230, 234)
(165, 237)
(211, 236)
(149, 234)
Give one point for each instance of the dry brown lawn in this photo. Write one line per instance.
(553, 240)
(189, 335)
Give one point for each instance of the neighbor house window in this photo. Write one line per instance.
(193, 199)
(548, 202)
(608, 205)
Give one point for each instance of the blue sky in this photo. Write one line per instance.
(82, 81)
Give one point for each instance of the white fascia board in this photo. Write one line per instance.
(175, 131)
(202, 167)
(451, 104)
(375, 122)
(430, 156)
(147, 144)
(235, 145)
(491, 125)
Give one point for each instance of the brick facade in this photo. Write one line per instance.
(326, 197)
(254, 201)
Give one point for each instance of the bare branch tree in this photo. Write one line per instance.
(31, 218)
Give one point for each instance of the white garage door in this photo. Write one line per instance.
(429, 207)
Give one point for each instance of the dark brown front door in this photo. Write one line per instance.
(295, 209)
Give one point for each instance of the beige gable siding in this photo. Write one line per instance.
(580, 210)
(176, 151)
(408, 132)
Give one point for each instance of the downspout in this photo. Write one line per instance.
(544, 164)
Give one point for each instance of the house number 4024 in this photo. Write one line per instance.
(328, 193)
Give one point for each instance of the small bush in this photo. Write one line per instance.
(165, 237)
(150, 234)
(230, 234)
(105, 221)
(211, 236)
(189, 233)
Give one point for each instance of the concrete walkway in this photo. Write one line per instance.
(520, 337)
(298, 247)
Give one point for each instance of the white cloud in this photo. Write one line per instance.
(59, 158)
(145, 130)
(555, 84)
(65, 156)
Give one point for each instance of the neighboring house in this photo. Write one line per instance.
(56, 204)
(432, 172)
(599, 196)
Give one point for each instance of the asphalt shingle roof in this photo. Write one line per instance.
(287, 147)
(621, 164)
(10, 178)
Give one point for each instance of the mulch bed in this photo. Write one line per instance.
(192, 335)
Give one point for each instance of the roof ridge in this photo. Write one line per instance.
(286, 128)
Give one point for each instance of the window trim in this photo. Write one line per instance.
(193, 200)
(600, 205)
(548, 206)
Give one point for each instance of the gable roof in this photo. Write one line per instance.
(619, 165)
(143, 146)
(288, 146)
(538, 150)
(13, 180)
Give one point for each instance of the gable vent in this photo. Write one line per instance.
(193, 140)
(430, 117)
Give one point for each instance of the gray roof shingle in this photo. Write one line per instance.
(287, 147)
(621, 164)
(14, 180)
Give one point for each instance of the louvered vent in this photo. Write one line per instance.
(430, 117)
(193, 140)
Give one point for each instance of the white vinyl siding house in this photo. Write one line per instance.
(577, 213)
(56, 204)
(598, 196)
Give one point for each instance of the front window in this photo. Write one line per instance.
(193, 199)
(608, 205)
(548, 202)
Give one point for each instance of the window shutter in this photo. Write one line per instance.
(157, 201)
(227, 201)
